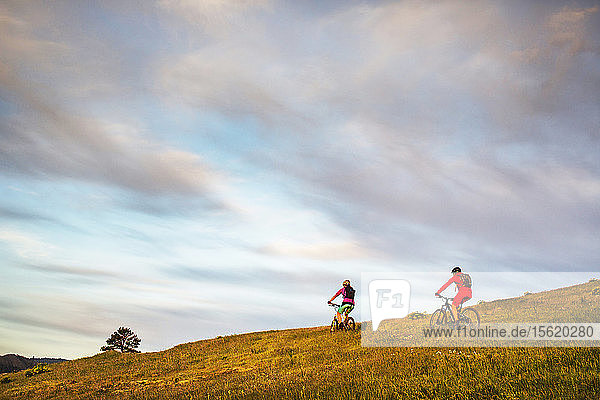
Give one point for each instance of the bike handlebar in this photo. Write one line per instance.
(333, 305)
(445, 298)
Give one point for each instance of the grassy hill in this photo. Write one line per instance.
(312, 363)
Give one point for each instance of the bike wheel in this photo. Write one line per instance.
(334, 326)
(350, 325)
(437, 318)
(470, 317)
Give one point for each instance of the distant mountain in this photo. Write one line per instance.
(15, 362)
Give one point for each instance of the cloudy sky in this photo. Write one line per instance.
(194, 168)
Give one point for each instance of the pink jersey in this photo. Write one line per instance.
(459, 284)
(342, 291)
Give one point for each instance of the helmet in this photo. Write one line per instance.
(346, 283)
(456, 269)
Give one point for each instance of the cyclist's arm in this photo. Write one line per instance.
(336, 295)
(450, 281)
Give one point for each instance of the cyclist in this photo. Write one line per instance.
(347, 293)
(463, 285)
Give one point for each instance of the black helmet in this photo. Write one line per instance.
(456, 269)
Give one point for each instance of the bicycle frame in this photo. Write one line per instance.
(346, 317)
(446, 308)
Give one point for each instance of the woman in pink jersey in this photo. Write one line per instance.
(347, 293)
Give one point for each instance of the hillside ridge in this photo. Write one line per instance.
(312, 363)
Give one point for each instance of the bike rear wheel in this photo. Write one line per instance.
(469, 317)
(350, 325)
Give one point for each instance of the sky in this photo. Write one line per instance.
(199, 168)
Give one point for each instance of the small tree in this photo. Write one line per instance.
(124, 340)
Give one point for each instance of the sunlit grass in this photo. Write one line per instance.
(312, 363)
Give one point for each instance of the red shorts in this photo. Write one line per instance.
(463, 295)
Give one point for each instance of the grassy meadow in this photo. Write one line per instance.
(312, 363)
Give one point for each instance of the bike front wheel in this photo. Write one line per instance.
(437, 318)
(334, 326)
(470, 317)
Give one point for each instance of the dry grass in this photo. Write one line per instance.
(312, 363)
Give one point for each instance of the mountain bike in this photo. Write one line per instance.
(347, 325)
(443, 316)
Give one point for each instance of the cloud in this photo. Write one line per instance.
(46, 140)
(316, 251)
(538, 72)
(247, 276)
(384, 63)
(19, 214)
(251, 278)
(44, 134)
(26, 245)
(65, 325)
(433, 135)
(477, 139)
(73, 62)
(217, 17)
(70, 270)
(569, 29)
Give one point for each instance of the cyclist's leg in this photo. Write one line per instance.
(348, 311)
(456, 303)
(345, 309)
(460, 307)
(339, 313)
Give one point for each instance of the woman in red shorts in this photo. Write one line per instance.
(463, 284)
